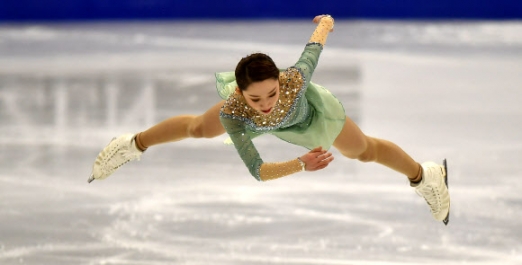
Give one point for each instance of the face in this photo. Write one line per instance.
(262, 96)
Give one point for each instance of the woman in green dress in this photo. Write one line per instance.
(259, 98)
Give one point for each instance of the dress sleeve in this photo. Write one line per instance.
(310, 56)
(244, 145)
(250, 156)
(325, 25)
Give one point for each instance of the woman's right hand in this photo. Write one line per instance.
(318, 18)
(317, 159)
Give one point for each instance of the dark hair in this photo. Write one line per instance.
(255, 68)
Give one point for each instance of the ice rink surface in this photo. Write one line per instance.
(438, 89)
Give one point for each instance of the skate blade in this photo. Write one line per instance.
(91, 178)
(446, 220)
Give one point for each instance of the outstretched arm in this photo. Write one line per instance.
(310, 56)
(317, 158)
(314, 160)
(325, 26)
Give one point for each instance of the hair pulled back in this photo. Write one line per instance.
(256, 67)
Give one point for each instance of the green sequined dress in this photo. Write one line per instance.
(306, 114)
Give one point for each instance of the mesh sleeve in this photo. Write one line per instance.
(310, 56)
(308, 61)
(244, 145)
(250, 156)
(321, 31)
(271, 171)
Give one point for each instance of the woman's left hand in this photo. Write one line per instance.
(316, 159)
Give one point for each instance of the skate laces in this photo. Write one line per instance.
(432, 196)
(433, 189)
(128, 155)
(120, 154)
(430, 191)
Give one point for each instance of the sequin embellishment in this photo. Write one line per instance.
(291, 88)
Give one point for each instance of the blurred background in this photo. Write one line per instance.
(442, 79)
(24, 10)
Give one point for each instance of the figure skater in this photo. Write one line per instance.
(261, 99)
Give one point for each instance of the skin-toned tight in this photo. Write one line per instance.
(184, 126)
(351, 142)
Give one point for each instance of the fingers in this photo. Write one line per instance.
(318, 18)
(317, 159)
(323, 164)
(321, 161)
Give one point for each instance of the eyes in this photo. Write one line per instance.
(270, 96)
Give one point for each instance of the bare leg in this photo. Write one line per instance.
(181, 127)
(353, 143)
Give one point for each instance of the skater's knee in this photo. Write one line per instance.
(354, 151)
(364, 151)
(197, 129)
(367, 156)
(370, 153)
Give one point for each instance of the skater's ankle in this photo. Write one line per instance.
(417, 178)
(139, 144)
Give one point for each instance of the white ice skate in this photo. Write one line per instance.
(434, 189)
(118, 152)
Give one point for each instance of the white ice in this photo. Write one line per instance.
(437, 89)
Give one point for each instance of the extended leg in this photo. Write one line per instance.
(352, 143)
(181, 127)
(428, 179)
(128, 147)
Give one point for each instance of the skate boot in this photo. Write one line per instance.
(118, 152)
(434, 189)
